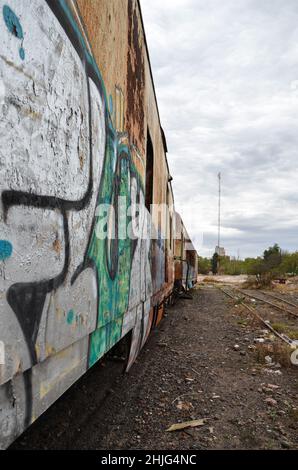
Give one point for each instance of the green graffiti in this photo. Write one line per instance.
(70, 317)
(103, 339)
(112, 258)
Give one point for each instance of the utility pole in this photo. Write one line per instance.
(219, 208)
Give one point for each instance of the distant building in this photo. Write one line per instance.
(220, 251)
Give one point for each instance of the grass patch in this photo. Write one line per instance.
(290, 331)
(239, 300)
(250, 283)
(242, 322)
(211, 280)
(278, 351)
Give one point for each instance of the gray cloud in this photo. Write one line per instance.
(226, 78)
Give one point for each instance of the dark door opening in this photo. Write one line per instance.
(149, 173)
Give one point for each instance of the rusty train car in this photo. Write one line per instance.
(185, 259)
(80, 136)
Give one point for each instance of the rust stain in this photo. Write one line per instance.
(82, 161)
(57, 246)
(135, 77)
(37, 350)
(16, 67)
(32, 114)
(50, 350)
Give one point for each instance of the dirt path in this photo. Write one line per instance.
(189, 369)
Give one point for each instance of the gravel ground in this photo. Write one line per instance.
(201, 363)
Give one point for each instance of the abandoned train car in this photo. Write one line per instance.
(80, 131)
(185, 258)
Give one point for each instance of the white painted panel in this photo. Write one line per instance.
(44, 127)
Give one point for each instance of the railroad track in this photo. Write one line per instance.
(290, 342)
(277, 297)
(272, 304)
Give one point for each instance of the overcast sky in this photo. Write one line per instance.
(226, 78)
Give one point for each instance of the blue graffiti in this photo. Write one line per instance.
(14, 26)
(22, 53)
(5, 250)
(70, 317)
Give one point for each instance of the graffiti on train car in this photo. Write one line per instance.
(68, 293)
